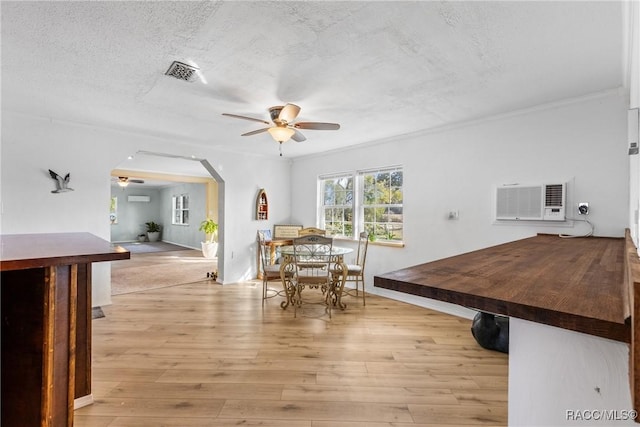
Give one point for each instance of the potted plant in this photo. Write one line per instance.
(209, 246)
(153, 231)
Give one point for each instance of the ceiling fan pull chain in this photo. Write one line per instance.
(280, 148)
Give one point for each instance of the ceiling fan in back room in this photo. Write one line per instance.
(282, 126)
(123, 181)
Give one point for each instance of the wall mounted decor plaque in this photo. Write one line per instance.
(287, 231)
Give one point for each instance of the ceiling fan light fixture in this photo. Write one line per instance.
(281, 134)
(123, 181)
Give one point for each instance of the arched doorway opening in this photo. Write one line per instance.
(167, 177)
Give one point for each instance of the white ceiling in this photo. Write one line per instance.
(379, 69)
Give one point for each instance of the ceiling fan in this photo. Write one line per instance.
(282, 126)
(123, 181)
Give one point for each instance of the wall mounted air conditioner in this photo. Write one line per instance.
(544, 202)
(144, 199)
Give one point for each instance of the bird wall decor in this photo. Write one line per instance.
(62, 184)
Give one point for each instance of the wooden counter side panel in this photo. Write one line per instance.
(22, 293)
(57, 383)
(83, 332)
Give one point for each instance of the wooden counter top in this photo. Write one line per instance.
(22, 251)
(572, 283)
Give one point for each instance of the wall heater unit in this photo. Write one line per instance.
(545, 202)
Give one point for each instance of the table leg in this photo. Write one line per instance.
(339, 278)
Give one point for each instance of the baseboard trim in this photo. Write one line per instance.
(83, 401)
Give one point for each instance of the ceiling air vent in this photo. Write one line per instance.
(182, 71)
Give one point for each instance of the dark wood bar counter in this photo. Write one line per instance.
(45, 290)
(572, 283)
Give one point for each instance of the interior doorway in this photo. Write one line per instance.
(164, 176)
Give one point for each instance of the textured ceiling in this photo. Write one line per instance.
(379, 69)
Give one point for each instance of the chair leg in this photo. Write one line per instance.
(363, 293)
(360, 282)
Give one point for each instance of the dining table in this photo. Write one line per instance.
(333, 295)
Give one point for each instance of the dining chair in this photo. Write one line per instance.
(312, 230)
(355, 272)
(270, 272)
(312, 268)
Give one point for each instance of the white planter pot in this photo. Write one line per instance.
(153, 236)
(209, 250)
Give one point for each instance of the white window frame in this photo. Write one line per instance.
(178, 209)
(385, 231)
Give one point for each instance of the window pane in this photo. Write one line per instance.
(344, 197)
(369, 214)
(396, 179)
(396, 195)
(328, 193)
(383, 179)
(328, 214)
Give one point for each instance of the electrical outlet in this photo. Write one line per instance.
(583, 208)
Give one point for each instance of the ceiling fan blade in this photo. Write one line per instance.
(289, 113)
(317, 126)
(298, 136)
(246, 118)
(254, 132)
(137, 181)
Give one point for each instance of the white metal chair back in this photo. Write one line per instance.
(363, 245)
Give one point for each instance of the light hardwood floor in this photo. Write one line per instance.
(203, 354)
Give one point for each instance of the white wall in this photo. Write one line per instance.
(31, 145)
(583, 143)
(186, 235)
(132, 216)
(559, 377)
